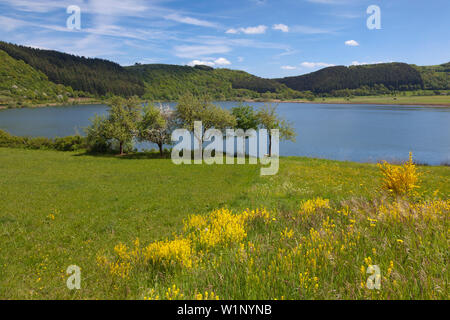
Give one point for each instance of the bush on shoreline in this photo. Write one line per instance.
(69, 143)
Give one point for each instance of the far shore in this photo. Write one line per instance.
(74, 102)
(432, 101)
(444, 105)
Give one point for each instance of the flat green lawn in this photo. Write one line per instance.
(402, 100)
(59, 209)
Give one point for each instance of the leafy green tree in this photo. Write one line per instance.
(121, 124)
(190, 109)
(268, 119)
(97, 138)
(246, 117)
(157, 125)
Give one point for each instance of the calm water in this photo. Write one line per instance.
(362, 133)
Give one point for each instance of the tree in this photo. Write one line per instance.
(157, 125)
(121, 124)
(246, 117)
(268, 119)
(190, 109)
(96, 135)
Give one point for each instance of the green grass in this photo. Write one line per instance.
(400, 100)
(99, 202)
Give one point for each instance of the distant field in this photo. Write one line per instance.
(59, 209)
(402, 100)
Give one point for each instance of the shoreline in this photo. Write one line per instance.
(393, 103)
(77, 102)
(347, 102)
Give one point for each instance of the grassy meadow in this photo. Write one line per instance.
(142, 228)
(443, 100)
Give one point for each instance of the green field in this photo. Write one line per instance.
(401, 100)
(61, 208)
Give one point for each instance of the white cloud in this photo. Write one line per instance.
(9, 24)
(315, 64)
(288, 67)
(187, 51)
(210, 62)
(281, 27)
(232, 31)
(201, 63)
(104, 7)
(89, 46)
(357, 63)
(36, 6)
(188, 20)
(249, 30)
(222, 62)
(351, 43)
(254, 30)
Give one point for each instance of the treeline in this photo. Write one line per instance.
(55, 76)
(21, 85)
(128, 121)
(170, 82)
(393, 76)
(435, 77)
(69, 143)
(96, 76)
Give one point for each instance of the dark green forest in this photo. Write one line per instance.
(435, 77)
(393, 76)
(35, 75)
(169, 82)
(20, 84)
(95, 76)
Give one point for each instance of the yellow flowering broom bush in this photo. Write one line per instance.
(311, 206)
(222, 226)
(159, 254)
(399, 180)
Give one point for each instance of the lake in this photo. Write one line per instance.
(363, 133)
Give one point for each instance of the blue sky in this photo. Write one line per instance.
(269, 38)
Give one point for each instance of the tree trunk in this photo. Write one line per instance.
(160, 149)
(121, 148)
(270, 145)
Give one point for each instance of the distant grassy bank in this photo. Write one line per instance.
(64, 208)
(70, 101)
(440, 100)
(409, 99)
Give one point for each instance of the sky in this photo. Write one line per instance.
(268, 38)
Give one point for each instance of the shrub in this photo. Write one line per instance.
(70, 143)
(399, 180)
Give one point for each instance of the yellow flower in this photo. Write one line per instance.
(399, 180)
(310, 206)
(287, 234)
(207, 296)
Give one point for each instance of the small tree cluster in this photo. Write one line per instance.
(128, 120)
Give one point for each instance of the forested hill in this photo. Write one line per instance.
(168, 82)
(19, 83)
(394, 76)
(435, 77)
(95, 76)
(102, 78)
